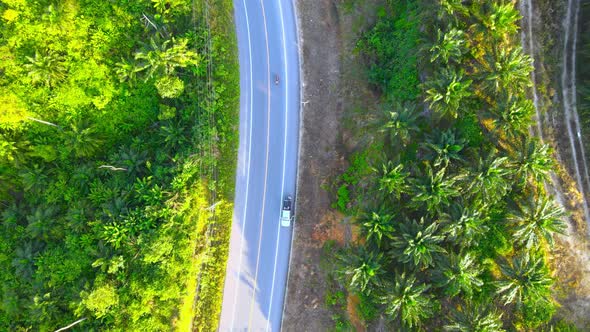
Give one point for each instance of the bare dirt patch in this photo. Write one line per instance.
(321, 158)
(332, 86)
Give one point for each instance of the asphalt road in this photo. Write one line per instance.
(258, 262)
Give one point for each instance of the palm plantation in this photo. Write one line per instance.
(455, 225)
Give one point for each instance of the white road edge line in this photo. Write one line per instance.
(233, 316)
(252, 300)
(286, 80)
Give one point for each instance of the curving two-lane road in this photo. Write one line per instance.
(259, 249)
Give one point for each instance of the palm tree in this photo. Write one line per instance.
(451, 9)
(513, 114)
(449, 46)
(41, 224)
(447, 91)
(523, 277)
(417, 244)
(361, 269)
(393, 179)
(375, 226)
(174, 134)
(536, 221)
(499, 19)
(47, 68)
(117, 234)
(459, 274)
(34, 178)
(508, 70)
(436, 190)
(444, 147)
(408, 301)
(162, 59)
(82, 139)
(465, 224)
(127, 71)
(472, 317)
(132, 158)
(398, 122)
(489, 180)
(23, 261)
(533, 161)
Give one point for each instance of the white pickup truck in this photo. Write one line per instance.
(287, 212)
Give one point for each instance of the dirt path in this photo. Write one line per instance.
(327, 36)
(321, 158)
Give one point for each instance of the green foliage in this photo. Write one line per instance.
(361, 269)
(355, 173)
(459, 274)
(101, 300)
(107, 138)
(408, 301)
(453, 210)
(169, 87)
(390, 47)
(417, 244)
(447, 92)
(526, 278)
(474, 317)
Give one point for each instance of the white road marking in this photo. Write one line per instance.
(247, 167)
(286, 80)
(252, 300)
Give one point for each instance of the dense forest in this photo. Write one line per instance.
(455, 226)
(118, 140)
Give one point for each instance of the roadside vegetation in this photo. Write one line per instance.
(118, 138)
(454, 225)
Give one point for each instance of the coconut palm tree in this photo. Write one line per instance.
(24, 260)
(361, 269)
(498, 19)
(489, 181)
(450, 9)
(82, 139)
(459, 274)
(523, 277)
(450, 46)
(162, 58)
(46, 67)
(41, 224)
(533, 161)
(417, 244)
(436, 190)
(131, 158)
(536, 221)
(393, 179)
(376, 225)
(507, 70)
(472, 317)
(465, 225)
(174, 133)
(444, 147)
(35, 178)
(513, 114)
(398, 122)
(408, 302)
(447, 91)
(127, 71)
